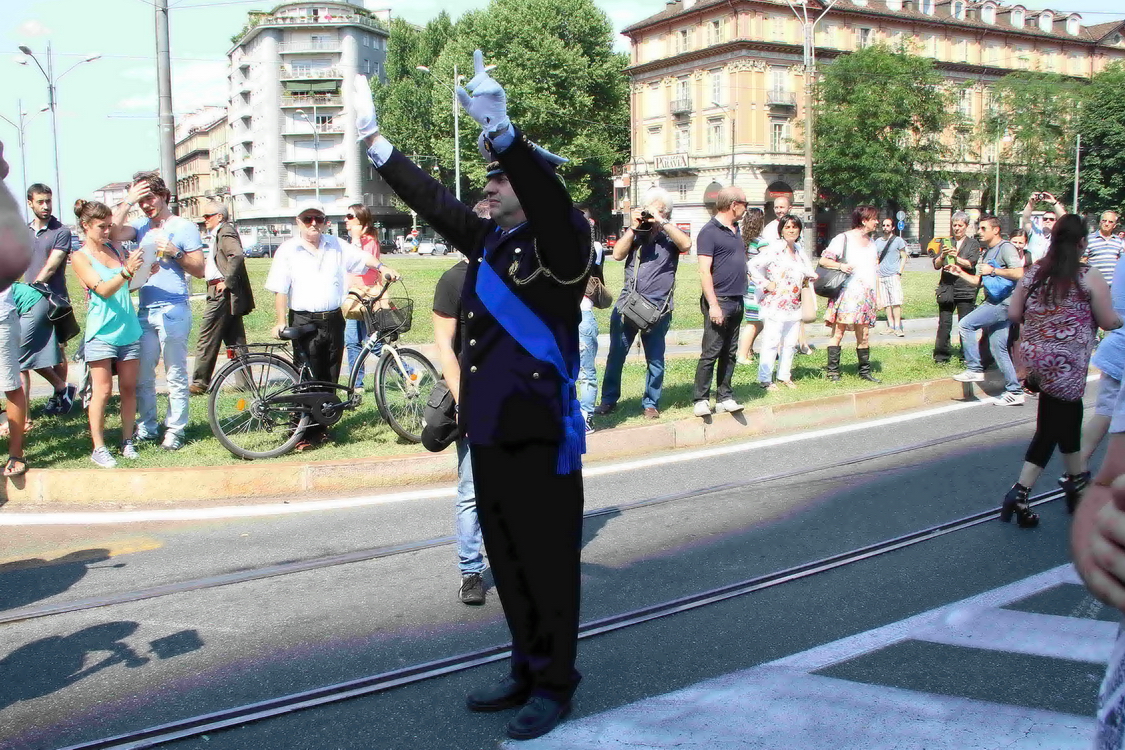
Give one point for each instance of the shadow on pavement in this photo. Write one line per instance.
(24, 582)
(50, 664)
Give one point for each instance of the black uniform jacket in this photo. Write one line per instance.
(507, 396)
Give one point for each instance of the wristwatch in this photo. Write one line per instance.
(178, 254)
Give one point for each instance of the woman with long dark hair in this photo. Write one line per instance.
(361, 230)
(1060, 303)
(854, 308)
(752, 223)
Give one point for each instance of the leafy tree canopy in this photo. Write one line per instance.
(566, 88)
(880, 117)
(1102, 184)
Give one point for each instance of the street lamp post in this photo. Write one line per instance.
(800, 8)
(52, 103)
(456, 128)
(21, 123)
(316, 148)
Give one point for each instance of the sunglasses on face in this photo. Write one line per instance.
(313, 221)
(1049, 218)
(350, 217)
(208, 216)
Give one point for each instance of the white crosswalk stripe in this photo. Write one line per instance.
(782, 704)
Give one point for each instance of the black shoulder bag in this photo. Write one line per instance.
(831, 281)
(635, 308)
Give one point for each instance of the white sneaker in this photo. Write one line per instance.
(102, 458)
(968, 376)
(1010, 399)
(728, 405)
(129, 451)
(702, 409)
(589, 423)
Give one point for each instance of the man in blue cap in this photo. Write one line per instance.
(518, 406)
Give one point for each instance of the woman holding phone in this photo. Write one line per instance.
(113, 332)
(954, 293)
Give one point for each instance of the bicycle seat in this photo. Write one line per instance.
(293, 333)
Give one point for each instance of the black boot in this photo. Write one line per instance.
(1074, 485)
(833, 370)
(1016, 502)
(865, 366)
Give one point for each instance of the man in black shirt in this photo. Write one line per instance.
(722, 271)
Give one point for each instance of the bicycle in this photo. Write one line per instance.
(260, 403)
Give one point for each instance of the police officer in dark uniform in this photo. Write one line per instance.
(518, 408)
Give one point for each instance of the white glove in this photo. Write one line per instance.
(487, 103)
(366, 123)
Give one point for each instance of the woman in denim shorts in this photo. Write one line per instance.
(113, 333)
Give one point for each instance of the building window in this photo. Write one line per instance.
(1023, 58)
(683, 139)
(681, 41)
(715, 135)
(959, 10)
(779, 136)
(1046, 21)
(1072, 25)
(366, 41)
(965, 102)
(988, 13)
(994, 54)
(778, 28)
(1017, 17)
(653, 104)
(931, 45)
(683, 190)
(927, 7)
(683, 89)
(779, 80)
(895, 5)
(716, 86)
(655, 141)
(715, 32)
(864, 37)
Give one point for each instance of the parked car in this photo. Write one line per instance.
(610, 241)
(432, 247)
(75, 242)
(259, 251)
(914, 249)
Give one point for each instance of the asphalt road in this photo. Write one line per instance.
(76, 677)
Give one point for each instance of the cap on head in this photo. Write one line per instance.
(309, 211)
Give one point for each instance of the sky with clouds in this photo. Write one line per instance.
(107, 108)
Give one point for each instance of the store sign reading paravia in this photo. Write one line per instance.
(671, 161)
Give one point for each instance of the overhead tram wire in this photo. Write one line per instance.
(357, 556)
(287, 704)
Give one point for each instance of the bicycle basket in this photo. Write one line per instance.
(394, 319)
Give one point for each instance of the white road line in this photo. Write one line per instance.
(312, 506)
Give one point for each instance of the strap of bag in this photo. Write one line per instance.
(637, 274)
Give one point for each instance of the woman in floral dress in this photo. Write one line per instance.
(752, 222)
(1059, 304)
(854, 308)
(780, 272)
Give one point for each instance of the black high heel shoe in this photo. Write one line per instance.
(1074, 485)
(1015, 502)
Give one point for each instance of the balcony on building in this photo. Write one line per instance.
(681, 107)
(314, 98)
(781, 98)
(303, 72)
(317, 45)
(310, 156)
(300, 182)
(303, 128)
(288, 16)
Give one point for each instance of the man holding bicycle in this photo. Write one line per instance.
(309, 278)
(517, 400)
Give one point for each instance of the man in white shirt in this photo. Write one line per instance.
(309, 277)
(781, 206)
(1039, 235)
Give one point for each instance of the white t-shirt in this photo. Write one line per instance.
(315, 281)
(772, 232)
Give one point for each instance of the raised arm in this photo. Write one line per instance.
(120, 231)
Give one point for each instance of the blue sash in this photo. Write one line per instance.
(523, 325)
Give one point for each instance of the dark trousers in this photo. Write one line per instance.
(1058, 423)
(531, 520)
(943, 350)
(325, 347)
(720, 349)
(219, 327)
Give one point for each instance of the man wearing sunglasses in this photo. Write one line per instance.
(229, 296)
(1039, 235)
(309, 278)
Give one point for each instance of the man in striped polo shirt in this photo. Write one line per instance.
(1103, 247)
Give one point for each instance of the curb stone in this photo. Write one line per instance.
(248, 483)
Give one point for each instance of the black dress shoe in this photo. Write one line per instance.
(539, 716)
(508, 693)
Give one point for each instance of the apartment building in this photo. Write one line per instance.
(201, 166)
(292, 143)
(717, 86)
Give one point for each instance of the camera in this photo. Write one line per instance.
(647, 220)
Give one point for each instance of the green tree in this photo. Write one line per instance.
(566, 89)
(1037, 116)
(1102, 184)
(880, 118)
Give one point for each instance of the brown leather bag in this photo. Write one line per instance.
(598, 293)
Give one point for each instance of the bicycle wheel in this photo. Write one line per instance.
(401, 393)
(240, 412)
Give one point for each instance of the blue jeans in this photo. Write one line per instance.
(355, 334)
(469, 555)
(164, 335)
(587, 362)
(621, 335)
(994, 320)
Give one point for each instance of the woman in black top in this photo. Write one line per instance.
(953, 292)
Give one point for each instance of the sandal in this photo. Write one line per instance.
(16, 467)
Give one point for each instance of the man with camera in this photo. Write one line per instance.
(650, 247)
(1039, 235)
